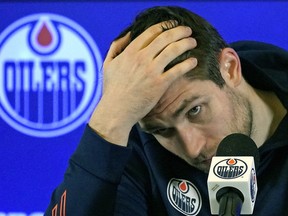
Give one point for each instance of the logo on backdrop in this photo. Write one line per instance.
(184, 196)
(230, 168)
(50, 77)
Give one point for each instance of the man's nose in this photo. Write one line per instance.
(192, 141)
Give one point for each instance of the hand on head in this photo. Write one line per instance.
(135, 77)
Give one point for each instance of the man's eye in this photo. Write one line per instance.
(194, 111)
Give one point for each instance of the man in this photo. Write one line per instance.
(173, 89)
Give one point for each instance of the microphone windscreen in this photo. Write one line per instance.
(238, 144)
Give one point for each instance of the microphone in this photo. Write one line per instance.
(232, 184)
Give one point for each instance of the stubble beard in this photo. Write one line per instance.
(241, 121)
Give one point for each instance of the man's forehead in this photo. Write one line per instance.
(171, 99)
(154, 119)
(176, 99)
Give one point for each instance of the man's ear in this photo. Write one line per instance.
(230, 67)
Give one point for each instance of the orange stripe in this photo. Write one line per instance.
(63, 204)
(54, 210)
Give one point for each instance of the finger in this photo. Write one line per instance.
(145, 38)
(180, 69)
(117, 47)
(168, 37)
(174, 50)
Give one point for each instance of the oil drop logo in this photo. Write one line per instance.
(50, 79)
(230, 168)
(184, 196)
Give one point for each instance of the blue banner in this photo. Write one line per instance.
(51, 55)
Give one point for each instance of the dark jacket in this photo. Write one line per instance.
(146, 179)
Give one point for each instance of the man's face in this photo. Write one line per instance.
(193, 116)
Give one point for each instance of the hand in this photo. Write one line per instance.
(134, 80)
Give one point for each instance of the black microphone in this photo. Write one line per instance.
(232, 184)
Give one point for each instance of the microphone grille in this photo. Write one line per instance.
(238, 144)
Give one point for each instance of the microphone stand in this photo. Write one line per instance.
(230, 201)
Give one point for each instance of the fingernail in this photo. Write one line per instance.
(194, 61)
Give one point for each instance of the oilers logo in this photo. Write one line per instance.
(230, 168)
(184, 196)
(50, 78)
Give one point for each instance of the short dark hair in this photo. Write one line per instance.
(209, 41)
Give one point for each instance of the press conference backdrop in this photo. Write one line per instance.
(50, 57)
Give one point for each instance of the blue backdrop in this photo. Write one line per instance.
(49, 52)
